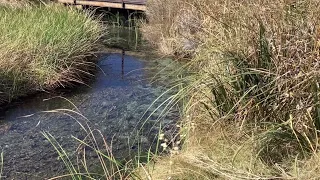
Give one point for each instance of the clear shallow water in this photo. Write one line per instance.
(114, 104)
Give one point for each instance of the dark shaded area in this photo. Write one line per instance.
(140, 2)
(123, 17)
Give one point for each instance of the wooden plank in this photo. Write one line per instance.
(100, 4)
(135, 7)
(110, 1)
(128, 4)
(66, 1)
(137, 2)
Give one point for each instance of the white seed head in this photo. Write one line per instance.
(164, 145)
(161, 136)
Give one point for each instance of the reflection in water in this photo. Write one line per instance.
(125, 38)
(122, 64)
(114, 103)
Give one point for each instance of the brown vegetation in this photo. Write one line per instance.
(254, 104)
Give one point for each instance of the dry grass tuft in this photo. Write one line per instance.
(257, 79)
(14, 3)
(44, 47)
(175, 36)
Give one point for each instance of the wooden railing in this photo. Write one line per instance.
(121, 4)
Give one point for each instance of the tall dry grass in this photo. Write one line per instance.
(254, 110)
(43, 47)
(172, 26)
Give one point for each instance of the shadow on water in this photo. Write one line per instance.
(114, 102)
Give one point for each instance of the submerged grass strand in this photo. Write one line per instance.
(1, 167)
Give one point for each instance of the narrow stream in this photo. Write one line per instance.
(115, 103)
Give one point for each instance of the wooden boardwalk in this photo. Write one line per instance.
(121, 4)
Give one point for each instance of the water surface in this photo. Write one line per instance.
(114, 103)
